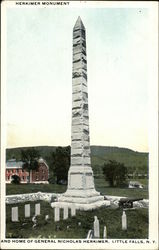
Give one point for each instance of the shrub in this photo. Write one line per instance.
(15, 179)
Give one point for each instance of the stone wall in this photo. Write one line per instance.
(49, 197)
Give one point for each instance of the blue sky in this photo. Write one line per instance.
(39, 70)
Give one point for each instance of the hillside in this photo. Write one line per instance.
(44, 151)
(135, 161)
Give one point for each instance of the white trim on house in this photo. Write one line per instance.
(41, 182)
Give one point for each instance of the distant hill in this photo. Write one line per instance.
(44, 151)
(135, 161)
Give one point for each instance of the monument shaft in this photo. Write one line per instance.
(80, 188)
(80, 146)
(80, 174)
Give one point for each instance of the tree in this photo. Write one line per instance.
(52, 177)
(115, 173)
(30, 158)
(15, 179)
(60, 163)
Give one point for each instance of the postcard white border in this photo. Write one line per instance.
(153, 131)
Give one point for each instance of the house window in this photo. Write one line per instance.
(43, 177)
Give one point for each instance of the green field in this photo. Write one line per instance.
(133, 160)
(103, 187)
(100, 184)
(137, 221)
(33, 188)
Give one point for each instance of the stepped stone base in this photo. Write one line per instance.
(82, 198)
(81, 191)
(82, 206)
(80, 186)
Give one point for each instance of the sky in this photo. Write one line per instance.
(39, 75)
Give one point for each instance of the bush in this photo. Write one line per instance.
(51, 180)
(15, 179)
(115, 173)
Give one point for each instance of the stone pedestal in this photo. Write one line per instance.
(73, 209)
(27, 210)
(65, 213)
(14, 217)
(81, 187)
(56, 213)
(37, 209)
(104, 232)
(124, 221)
(96, 227)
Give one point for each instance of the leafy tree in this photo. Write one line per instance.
(15, 179)
(115, 173)
(52, 178)
(97, 170)
(30, 159)
(60, 163)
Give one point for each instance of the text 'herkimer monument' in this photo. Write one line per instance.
(80, 190)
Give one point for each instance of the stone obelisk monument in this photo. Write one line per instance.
(81, 189)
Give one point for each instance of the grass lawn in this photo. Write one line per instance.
(103, 187)
(143, 182)
(33, 188)
(137, 221)
(100, 184)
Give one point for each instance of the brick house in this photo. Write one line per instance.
(40, 175)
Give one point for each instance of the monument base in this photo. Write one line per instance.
(81, 191)
(82, 206)
(83, 196)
